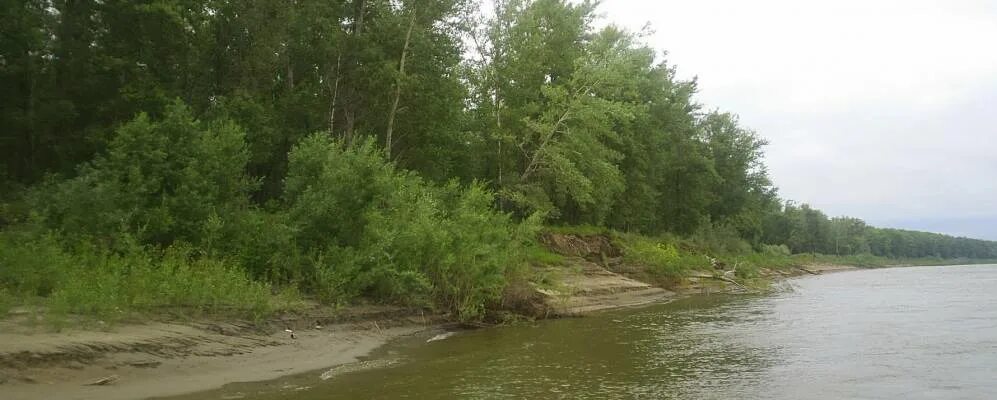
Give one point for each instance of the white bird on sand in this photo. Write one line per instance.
(288, 330)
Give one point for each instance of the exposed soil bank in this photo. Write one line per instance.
(586, 287)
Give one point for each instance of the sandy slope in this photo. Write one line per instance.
(585, 287)
(161, 359)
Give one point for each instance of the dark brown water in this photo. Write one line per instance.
(908, 333)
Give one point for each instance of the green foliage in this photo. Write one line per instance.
(329, 186)
(746, 271)
(160, 180)
(806, 230)
(775, 250)
(110, 286)
(539, 255)
(6, 301)
(261, 242)
(89, 279)
(719, 239)
(32, 266)
(385, 233)
(483, 248)
(743, 183)
(335, 276)
(160, 149)
(662, 261)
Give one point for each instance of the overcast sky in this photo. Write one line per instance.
(883, 110)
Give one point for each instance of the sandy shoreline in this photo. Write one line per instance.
(818, 269)
(161, 360)
(172, 359)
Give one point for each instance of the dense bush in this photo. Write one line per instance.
(775, 250)
(718, 238)
(159, 181)
(349, 224)
(31, 265)
(376, 231)
(662, 260)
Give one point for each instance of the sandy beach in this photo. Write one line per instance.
(164, 359)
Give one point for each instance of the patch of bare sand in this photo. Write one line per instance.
(827, 268)
(586, 287)
(162, 359)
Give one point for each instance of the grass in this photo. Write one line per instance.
(113, 285)
(663, 261)
(6, 302)
(540, 255)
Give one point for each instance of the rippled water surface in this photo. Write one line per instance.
(910, 333)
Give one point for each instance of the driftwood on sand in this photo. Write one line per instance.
(107, 380)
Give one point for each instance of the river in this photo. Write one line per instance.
(910, 333)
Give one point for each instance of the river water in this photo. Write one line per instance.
(910, 333)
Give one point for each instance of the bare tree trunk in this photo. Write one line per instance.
(350, 109)
(358, 26)
(335, 94)
(290, 74)
(350, 122)
(398, 86)
(535, 159)
(498, 136)
(31, 135)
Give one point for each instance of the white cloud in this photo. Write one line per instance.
(885, 110)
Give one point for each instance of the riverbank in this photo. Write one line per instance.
(590, 273)
(586, 274)
(158, 359)
(162, 359)
(791, 344)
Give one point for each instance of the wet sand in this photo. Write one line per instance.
(159, 359)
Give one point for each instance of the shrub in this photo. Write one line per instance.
(261, 242)
(6, 301)
(481, 247)
(111, 286)
(159, 181)
(31, 264)
(373, 230)
(336, 273)
(661, 260)
(720, 239)
(329, 188)
(776, 250)
(746, 270)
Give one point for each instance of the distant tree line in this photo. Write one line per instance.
(807, 230)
